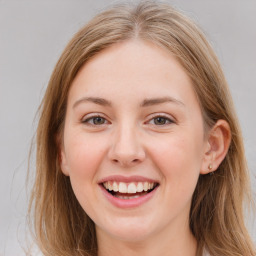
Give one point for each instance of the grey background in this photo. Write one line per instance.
(32, 36)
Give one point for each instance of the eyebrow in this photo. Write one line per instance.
(156, 101)
(96, 100)
(145, 103)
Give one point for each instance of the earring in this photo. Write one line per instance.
(210, 167)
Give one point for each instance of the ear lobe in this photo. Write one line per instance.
(218, 143)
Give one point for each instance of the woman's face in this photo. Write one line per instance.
(133, 141)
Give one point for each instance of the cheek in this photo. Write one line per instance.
(179, 160)
(84, 154)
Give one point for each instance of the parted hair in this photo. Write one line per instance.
(58, 223)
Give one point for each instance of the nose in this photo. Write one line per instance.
(126, 147)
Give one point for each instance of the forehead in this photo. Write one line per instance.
(133, 69)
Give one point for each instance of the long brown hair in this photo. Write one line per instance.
(60, 225)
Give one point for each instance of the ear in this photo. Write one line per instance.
(63, 163)
(62, 156)
(217, 145)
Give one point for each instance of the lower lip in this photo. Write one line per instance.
(128, 203)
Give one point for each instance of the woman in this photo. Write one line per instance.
(139, 150)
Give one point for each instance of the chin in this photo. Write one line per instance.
(132, 235)
(130, 232)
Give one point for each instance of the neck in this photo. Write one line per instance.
(180, 242)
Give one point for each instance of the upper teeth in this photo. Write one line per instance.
(130, 188)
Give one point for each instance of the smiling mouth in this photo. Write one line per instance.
(129, 190)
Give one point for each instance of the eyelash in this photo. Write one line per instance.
(91, 120)
(165, 118)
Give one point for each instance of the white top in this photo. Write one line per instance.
(206, 253)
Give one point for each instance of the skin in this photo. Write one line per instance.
(128, 139)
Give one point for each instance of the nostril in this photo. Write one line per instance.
(126, 162)
(126, 152)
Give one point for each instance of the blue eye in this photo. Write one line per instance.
(95, 120)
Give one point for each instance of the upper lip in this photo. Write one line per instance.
(127, 179)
